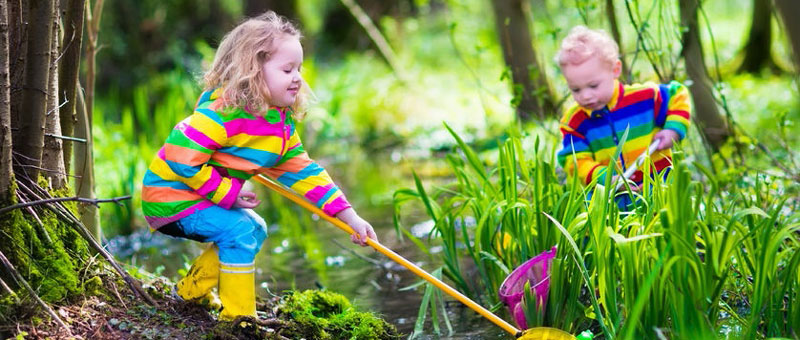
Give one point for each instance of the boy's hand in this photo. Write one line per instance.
(667, 137)
(361, 227)
(634, 187)
(246, 200)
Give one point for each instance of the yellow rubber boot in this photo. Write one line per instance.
(202, 278)
(237, 290)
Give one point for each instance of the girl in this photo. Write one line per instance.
(243, 125)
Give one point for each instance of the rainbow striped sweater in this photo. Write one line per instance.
(208, 156)
(590, 138)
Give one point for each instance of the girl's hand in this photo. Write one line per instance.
(246, 200)
(361, 227)
(667, 138)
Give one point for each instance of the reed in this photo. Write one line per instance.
(694, 255)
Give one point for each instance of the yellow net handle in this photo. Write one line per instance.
(392, 255)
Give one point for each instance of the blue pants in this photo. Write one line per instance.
(239, 233)
(623, 200)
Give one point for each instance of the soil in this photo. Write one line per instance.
(110, 310)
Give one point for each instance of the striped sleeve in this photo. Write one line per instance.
(678, 108)
(186, 154)
(576, 156)
(300, 173)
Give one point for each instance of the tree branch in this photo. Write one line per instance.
(65, 199)
(375, 34)
(8, 290)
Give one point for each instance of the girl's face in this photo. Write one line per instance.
(591, 82)
(282, 72)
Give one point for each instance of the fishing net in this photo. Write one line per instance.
(537, 272)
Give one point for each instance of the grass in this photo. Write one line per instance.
(693, 248)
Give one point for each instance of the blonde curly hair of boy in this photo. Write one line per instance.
(239, 59)
(582, 43)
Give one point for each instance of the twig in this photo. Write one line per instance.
(74, 139)
(777, 162)
(640, 41)
(36, 217)
(21, 281)
(66, 215)
(116, 292)
(64, 199)
(8, 290)
(132, 283)
(376, 36)
(271, 322)
(373, 261)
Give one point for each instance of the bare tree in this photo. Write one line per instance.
(43, 244)
(52, 155)
(34, 91)
(93, 15)
(89, 213)
(17, 46)
(531, 86)
(712, 125)
(68, 70)
(6, 174)
(84, 169)
(757, 49)
(789, 10)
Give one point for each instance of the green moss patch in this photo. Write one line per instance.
(326, 315)
(45, 250)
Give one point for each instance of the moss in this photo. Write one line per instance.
(326, 315)
(48, 256)
(93, 286)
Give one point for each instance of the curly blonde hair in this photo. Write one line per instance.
(237, 66)
(582, 43)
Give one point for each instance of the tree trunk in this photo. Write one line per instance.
(757, 50)
(6, 173)
(531, 88)
(287, 8)
(68, 71)
(17, 45)
(44, 249)
(52, 155)
(611, 13)
(34, 93)
(789, 10)
(89, 214)
(84, 170)
(711, 123)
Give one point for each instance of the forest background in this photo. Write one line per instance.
(91, 89)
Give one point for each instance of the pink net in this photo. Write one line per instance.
(537, 272)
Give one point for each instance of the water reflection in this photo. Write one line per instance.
(303, 252)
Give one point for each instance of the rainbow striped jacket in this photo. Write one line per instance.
(590, 138)
(208, 156)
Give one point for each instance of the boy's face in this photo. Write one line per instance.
(282, 72)
(591, 82)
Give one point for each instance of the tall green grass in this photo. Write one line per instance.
(694, 257)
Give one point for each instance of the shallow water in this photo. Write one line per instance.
(321, 256)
